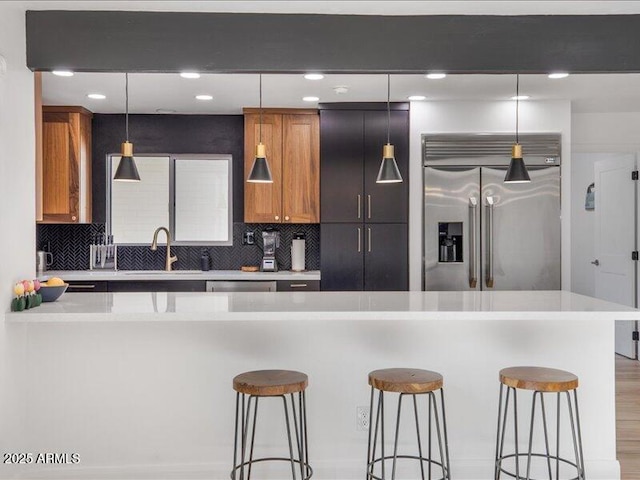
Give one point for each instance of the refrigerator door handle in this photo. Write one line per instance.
(473, 273)
(489, 251)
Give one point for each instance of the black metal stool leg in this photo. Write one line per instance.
(298, 430)
(429, 435)
(415, 411)
(435, 411)
(375, 438)
(502, 434)
(369, 455)
(395, 443)
(305, 445)
(581, 463)
(235, 437)
(515, 428)
(558, 437)
(533, 413)
(546, 436)
(574, 438)
(286, 417)
(382, 430)
(446, 438)
(253, 435)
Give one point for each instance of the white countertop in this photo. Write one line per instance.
(110, 275)
(301, 306)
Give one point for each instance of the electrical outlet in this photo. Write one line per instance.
(362, 419)
(248, 238)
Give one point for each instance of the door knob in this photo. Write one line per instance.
(286, 217)
(277, 217)
(596, 262)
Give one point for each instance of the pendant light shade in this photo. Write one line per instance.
(127, 170)
(517, 171)
(389, 171)
(260, 171)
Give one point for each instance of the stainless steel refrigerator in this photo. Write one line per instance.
(483, 234)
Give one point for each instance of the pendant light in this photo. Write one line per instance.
(127, 170)
(517, 172)
(260, 171)
(389, 172)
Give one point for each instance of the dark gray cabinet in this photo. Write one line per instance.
(369, 256)
(364, 231)
(351, 144)
(137, 286)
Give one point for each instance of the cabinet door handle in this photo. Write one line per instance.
(369, 205)
(369, 239)
(277, 217)
(286, 217)
(74, 218)
(298, 285)
(359, 240)
(71, 285)
(359, 206)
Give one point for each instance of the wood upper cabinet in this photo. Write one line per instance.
(292, 140)
(66, 165)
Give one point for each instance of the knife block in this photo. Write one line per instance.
(98, 252)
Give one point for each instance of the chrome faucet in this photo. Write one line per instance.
(154, 247)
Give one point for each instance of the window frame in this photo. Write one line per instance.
(172, 199)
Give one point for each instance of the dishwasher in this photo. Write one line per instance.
(241, 286)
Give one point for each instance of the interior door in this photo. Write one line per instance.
(521, 231)
(615, 211)
(451, 229)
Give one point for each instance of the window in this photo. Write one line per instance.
(189, 194)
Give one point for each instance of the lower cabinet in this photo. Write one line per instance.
(137, 286)
(357, 256)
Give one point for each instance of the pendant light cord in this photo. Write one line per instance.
(126, 106)
(517, 104)
(260, 126)
(388, 108)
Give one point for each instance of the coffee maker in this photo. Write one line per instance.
(270, 241)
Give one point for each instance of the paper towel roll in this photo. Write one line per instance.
(297, 255)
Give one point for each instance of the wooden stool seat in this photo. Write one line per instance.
(265, 383)
(539, 378)
(405, 380)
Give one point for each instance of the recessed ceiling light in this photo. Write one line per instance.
(96, 96)
(190, 75)
(204, 97)
(314, 76)
(436, 76)
(558, 75)
(416, 98)
(520, 97)
(310, 99)
(63, 73)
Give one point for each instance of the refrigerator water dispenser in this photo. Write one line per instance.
(450, 241)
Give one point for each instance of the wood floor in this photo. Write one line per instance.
(628, 416)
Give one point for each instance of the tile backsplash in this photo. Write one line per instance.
(69, 244)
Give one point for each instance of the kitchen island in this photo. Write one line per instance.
(139, 384)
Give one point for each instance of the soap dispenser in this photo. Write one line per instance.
(205, 260)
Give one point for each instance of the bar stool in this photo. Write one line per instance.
(540, 380)
(413, 382)
(270, 383)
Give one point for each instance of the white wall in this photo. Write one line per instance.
(17, 212)
(497, 117)
(594, 136)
